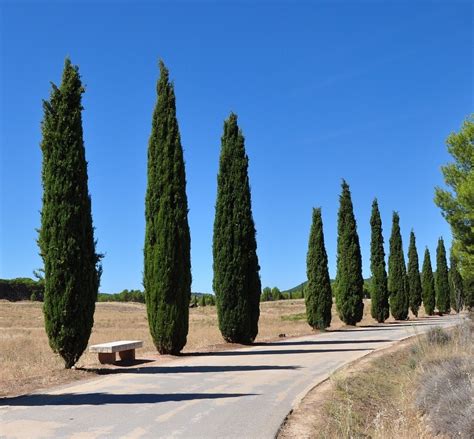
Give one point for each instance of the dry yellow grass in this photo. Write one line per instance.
(27, 363)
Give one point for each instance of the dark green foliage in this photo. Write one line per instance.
(442, 279)
(270, 294)
(236, 271)
(427, 284)
(456, 285)
(276, 294)
(379, 289)
(66, 237)
(22, 288)
(397, 276)
(469, 293)
(349, 281)
(318, 298)
(167, 272)
(266, 295)
(414, 279)
(202, 301)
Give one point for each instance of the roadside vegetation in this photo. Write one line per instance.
(419, 390)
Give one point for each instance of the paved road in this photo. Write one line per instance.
(244, 393)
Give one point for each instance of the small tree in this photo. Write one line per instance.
(66, 238)
(456, 286)
(414, 280)
(379, 290)
(266, 295)
(442, 279)
(167, 253)
(427, 284)
(202, 302)
(318, 299)
(276, 293)
(349, 280)
(236, 271)
(397, 277)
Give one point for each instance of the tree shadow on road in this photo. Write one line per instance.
(268, 352)
(319, 342)
(190, 369)
(112, 398)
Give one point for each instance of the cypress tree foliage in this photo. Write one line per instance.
(349, 284)
(236, 271)
(66, 237)
(167, 261)
(442, 279)
(456, 285)
(318, 297)
(397, 276)
(414, 280)
(427, 284)
(379, 289)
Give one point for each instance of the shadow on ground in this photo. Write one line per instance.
(189, 369)
(111, 398)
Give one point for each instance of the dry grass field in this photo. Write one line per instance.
(27, 363)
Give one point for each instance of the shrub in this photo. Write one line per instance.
(446, 396)
(437, 336)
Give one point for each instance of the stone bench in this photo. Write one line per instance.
(125, 348)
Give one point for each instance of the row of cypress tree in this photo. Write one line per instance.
(402, 290)
(72, 264)
(68, 248)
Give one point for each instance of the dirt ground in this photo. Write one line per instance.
(27, 362)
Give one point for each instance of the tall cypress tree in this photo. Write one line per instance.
(427, 284)
(349, 281)
(66, 238)
(167, 265)
(442, 279)
(397, 276)
(236, 271)
(318, 298)
(414, 280)
(379, 290)
(456, 286)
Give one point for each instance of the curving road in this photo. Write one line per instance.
(244, 393)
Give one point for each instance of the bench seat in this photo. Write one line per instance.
(125, 348)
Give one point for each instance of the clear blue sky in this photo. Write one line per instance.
(366, 91)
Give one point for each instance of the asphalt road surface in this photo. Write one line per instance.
(244, 393)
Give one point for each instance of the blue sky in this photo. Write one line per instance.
(366, 91)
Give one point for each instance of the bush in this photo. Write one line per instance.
(446, 396)
(438, 336)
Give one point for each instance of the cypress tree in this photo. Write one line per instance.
(414, 280)
(442, 279)
(379, 290)
(397, 277)
(66, 237)
(349, 281)
(318, 298)
(456, 286)
(236, 271)
(427, 284)
(167, 262)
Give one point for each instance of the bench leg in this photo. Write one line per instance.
(106, 358)
(127, 355)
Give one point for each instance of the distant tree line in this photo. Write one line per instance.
(72, 266)
(197, 299)
(22, 288)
